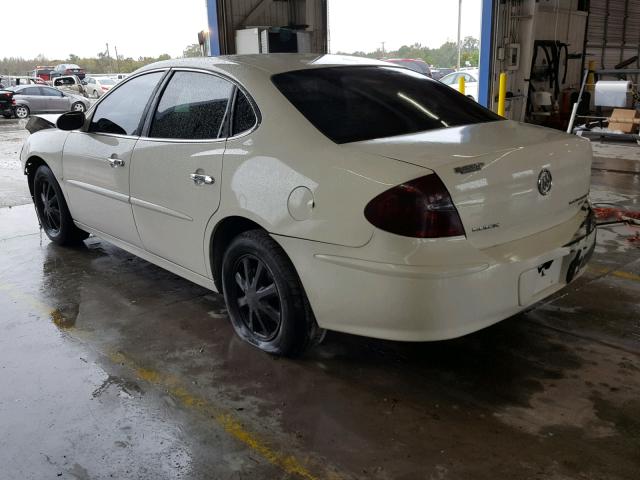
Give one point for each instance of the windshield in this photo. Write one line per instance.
(106, 81)
(350, 104)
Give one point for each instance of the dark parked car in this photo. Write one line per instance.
(414, 64)
(68, 69)
(6, 103)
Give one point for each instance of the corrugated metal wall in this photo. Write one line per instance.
(613, 32)
(237, 14)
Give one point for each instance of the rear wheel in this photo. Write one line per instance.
(21, 111)
(78, 107)
(264, 296)
(52, 209)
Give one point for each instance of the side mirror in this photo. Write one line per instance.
(84, 83)
(70, 121)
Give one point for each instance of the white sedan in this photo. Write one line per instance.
(470, 82)
(320, 192)
(98, 86)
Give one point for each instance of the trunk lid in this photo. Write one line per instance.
(492, 170)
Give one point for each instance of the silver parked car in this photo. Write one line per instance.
(43, 99)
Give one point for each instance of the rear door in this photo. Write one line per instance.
(96, 162)
(176, 171)
(36, 102)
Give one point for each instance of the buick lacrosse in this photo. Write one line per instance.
(320, 192)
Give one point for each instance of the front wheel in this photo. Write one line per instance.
(78, 107)
(52, 209)
(21, 111)
(266, 302)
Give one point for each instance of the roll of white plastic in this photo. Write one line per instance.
(613, 93)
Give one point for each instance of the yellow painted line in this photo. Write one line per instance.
(42, 308)
(616, 273)
(626, 275)
(229, 423)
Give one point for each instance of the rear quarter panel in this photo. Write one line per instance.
(262, 169)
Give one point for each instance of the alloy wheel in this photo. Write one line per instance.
(22, 112)
(257, 297)
(49, 207)
(78, 107)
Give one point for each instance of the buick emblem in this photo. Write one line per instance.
(544, 181)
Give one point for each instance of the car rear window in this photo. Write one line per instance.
(350, 104)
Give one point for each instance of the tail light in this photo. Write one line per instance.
(421, 208)
(104, 88)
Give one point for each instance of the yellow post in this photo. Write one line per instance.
(502, 93)
(591, 78)
(461, 84)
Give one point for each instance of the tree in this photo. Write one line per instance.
(446, 55)
(192, 50)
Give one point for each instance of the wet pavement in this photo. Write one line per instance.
(111, 367)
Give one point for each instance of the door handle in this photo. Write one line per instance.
(200, 179)
(115, 162)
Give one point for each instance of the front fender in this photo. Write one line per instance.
(47, 145)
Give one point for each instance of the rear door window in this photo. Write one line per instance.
(31, 91)
(193, 107)
(121, 112)
(244, 118)
(350, 104)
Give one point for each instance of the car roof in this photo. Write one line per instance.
(472, 72)
(406, 60)
(271, 63)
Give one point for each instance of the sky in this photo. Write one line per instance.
(361, 25)
(153, 27)
(136, 27)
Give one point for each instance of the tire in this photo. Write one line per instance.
(78, 107)
(21, 111)
(270, 311)
(95, 93)
(52, 210)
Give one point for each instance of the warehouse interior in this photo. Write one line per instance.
(134, 372)
(543, 47)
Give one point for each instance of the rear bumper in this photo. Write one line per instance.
(444, 300)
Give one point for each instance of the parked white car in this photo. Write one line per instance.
(470, 82)
(98, 86)
(320, 192)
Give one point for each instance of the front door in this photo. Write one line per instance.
(97, 162)
(176, 171)
(56, 100)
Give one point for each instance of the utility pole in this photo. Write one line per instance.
(117, 59)
(382, 48)
(109, 57)
(459, 24)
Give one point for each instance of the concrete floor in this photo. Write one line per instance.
(113, 368)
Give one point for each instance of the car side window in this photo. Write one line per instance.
(450, 80)
(244, 118)
(31, 91)
(50, 92)
(121, 112)
(192, 107)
